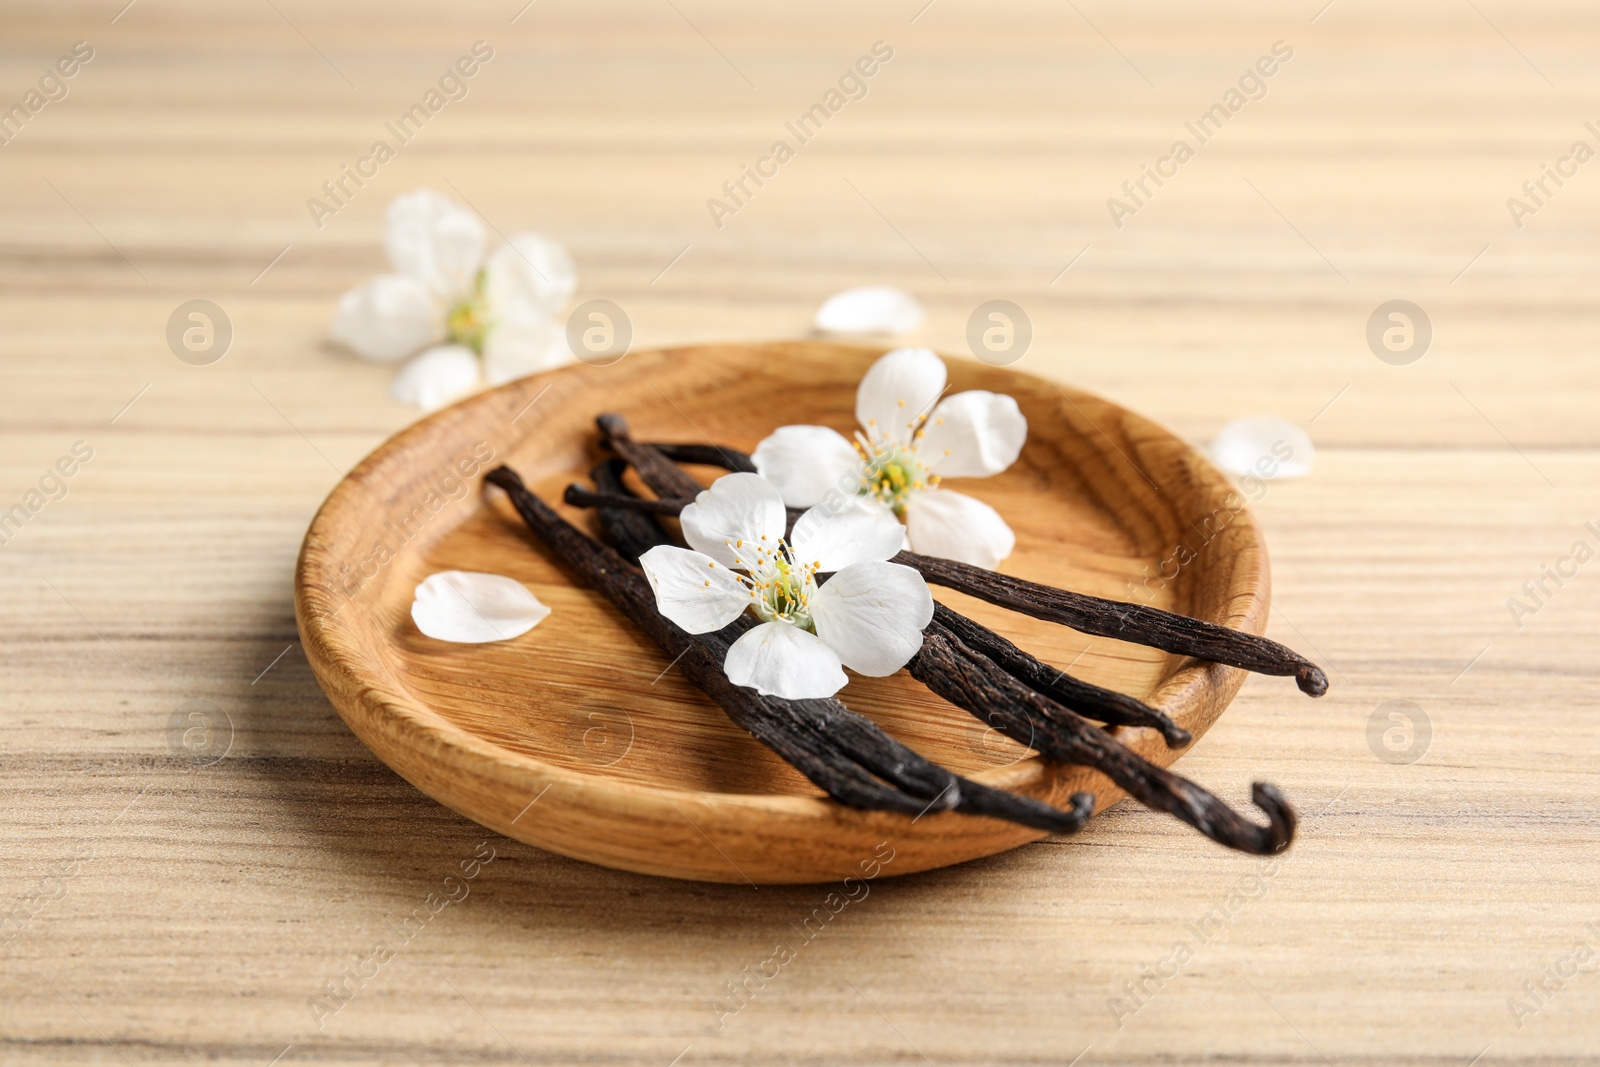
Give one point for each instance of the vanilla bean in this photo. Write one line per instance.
(856, 737)
(810, 734)
(972, 681)
(580, 497)
(626, 587)
(707, 456)
(1083, 697)
(659, 473)
(1134, 623)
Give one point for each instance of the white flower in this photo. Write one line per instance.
(905, 449)
(869, 616)
(446, 290)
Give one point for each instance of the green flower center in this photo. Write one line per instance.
(892, 473)
(780, 588)
(468, 321)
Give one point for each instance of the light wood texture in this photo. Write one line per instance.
(629, 764)
(218, 900)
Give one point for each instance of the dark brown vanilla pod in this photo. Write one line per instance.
(1085, 698)
(832, 746)
(860, 740)
(708, 456)
(975, 683)
(1134, 623)
(661, 474)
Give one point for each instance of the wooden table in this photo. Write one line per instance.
(164, 911)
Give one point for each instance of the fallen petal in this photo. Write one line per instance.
(1265, 447)
(470, 607)
(870, 309)
(436, 377)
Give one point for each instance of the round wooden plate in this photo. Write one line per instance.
(578, 737)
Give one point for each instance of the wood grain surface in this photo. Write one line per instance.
(162, 905)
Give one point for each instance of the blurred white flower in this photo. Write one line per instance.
(446, 290)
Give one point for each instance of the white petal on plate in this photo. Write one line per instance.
(872, 615)
(515, 350)
(983, 433)
(897, 388)
(941, 522)
(692, 589)
(870, 309)
(807, 463)
(436, 377)
(779, 659)
(387, 318)
(471, 607)
(436, 241)
(1264, 447)
(737, 507)
(529, 277)
(855, 531)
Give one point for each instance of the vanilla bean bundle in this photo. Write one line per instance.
(842, 753)
(962, 661)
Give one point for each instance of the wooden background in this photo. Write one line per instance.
(152, 910)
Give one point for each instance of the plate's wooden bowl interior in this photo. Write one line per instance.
(632, 766)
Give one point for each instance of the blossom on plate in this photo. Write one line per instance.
(869, 616)
(909, 442)
(448, 290)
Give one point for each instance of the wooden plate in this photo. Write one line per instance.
(622, 761)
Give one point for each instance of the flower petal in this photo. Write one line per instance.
(471, 607)
(517, 350)
(737, 507)
(1264, 447)
(835, 536)
(529, 277)
(778, 659)
(952, 525)
(387, 318)
(870, 309)
(436, 377)
(973, 435)
(872, 615)
(692, 589)
(807, 462)
(434, 240)
(900, 386)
